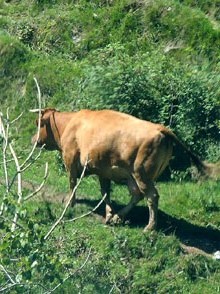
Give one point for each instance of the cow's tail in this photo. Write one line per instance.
(205, 169)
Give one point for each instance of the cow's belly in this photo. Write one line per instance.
(115, 173)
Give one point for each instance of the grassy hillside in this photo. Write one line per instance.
(118, 259)
(158, 60)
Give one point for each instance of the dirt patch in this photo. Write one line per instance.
(47, 193)
(195, 250)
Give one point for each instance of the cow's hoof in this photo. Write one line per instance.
(108, 218)
(116, 220)
(149, 228)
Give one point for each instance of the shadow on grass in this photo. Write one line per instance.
(204, 238)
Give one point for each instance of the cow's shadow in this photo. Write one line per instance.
(204, 238)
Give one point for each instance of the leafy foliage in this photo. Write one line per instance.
(164, 93)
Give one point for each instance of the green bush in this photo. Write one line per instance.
(182, 97)
(13, 56)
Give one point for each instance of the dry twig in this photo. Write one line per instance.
(19, 186)
(4, 135)
(41, 185)
(38, 127)
(72, 274)
(91, 211)
(68, 202)
(7, 274)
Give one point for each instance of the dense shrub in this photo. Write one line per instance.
(152, 87)
(13, 56)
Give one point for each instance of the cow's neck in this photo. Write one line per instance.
(58, 122)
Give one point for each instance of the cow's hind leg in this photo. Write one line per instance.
(149, 191)
(141, 189)
(152, 159)
(136, 196)
(152, 201)
(105, 185)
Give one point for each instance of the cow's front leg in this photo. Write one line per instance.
(70, 160)
(73, 182)
(105, 185)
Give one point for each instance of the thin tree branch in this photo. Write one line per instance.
(17, 118)
(38, 127)
(33, 159)
(10, 220)
(68, 202)
(72, 274)
(26, 167)
(20, 285)
(114, 287)
(9, 287)
(41, 185)
(4, 134)
(90, 212)
(7, 274)
(10, 160)
(19, 187)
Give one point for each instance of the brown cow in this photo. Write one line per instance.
(118, 147)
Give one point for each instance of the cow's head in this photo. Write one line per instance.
(46, 136)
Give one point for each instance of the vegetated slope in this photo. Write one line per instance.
(158, 60)
(154, 59)
(122, 258)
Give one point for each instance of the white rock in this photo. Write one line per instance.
(216, 255)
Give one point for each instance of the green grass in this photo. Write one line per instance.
(124, 258)
(198, 202)
(140, 57)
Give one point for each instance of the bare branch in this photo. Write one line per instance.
(68, 202)
(72, 274)
(38, 127)
(26, 167)
(3, 289)
(19, 185)
(7, 274)
(9, 287)
(17, 118)
(9, 160)
(4, 134)
(41, 185)
(10, 220)
(91, 211)
(33, 159)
